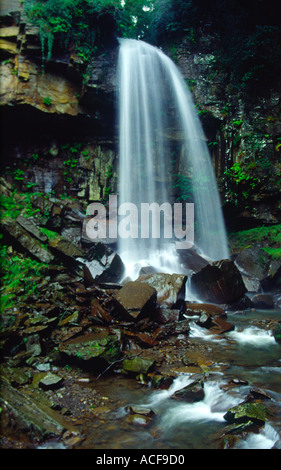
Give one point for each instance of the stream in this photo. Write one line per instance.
(248, 355)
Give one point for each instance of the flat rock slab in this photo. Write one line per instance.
(23, 415)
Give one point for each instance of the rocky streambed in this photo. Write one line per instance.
(92, 360)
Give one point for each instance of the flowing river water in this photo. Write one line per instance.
(248, 355)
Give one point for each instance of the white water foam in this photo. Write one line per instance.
(253, 336)
(212, 408)
(265, 439)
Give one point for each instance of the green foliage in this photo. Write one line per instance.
(75, 23)
(19, 278)
(86, 25)
(17, 204)
(47, 101)
(269, 238)
(248, 35)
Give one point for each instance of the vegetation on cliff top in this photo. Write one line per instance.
(248, 34)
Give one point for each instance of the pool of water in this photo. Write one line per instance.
(249, 353)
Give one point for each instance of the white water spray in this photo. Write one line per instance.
(160, 137)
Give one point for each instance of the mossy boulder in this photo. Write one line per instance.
(137, 365)
(93, 351)
(255, 412)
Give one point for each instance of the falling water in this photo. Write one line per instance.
(161, 138)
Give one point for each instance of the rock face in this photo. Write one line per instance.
(59, 90)
(219, 282)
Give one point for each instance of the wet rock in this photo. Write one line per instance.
(263, 301)
(170, 288)
(162, 382)
(65, 250)
(33, 345)
(136, 300)
(99, 313)
(139, 415)
(138, 419)
(205, 320)
(257, 393)
(277, 333)
(252, 261)
(198, 309)
(191, 260)
(137, 365)
(255, 412)
(29, 225)
(144, 339)
(167, 315)
(14, 375)
(102, 265)
(191, 393)
(172, 329)
(257, 268)
(210, 317)
(20, 236)
(22, 415)
(51, 381)
(94, 351)
(219, 282)
(140, 410)
(220, 325)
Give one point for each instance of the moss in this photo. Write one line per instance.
(49, 233)
(19, 278)
(268, 237)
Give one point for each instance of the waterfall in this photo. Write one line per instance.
(162, 145)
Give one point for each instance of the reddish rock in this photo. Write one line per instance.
(135, 300)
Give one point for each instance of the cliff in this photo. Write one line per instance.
(59, 122)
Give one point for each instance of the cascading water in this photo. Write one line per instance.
(162, 145)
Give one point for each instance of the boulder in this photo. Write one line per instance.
(50, 381)
(219, 282)
(263, 301)
(253, 261)
(136, 300)
(94, 351)
(102, 265)
(167, 315)
(137, 365)
(197, 309)
(172, 329)
(191, 260)
(210, 316)
(258, 269)
(192, 392)
(170, 288)
(255, 412)
(65, 250)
